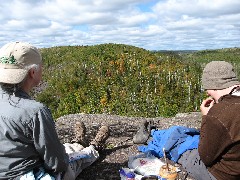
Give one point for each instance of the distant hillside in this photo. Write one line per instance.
(123, 80)
(177, 51)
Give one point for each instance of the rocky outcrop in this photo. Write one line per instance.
(119, 145)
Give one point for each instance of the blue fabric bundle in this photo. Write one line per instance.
(176, 140)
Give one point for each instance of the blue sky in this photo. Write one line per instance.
(149, 24)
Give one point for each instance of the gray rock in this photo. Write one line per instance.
(120, 144)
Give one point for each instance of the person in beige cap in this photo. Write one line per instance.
(30, 148)
(218, 153)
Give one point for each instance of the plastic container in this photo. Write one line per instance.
(127, 174)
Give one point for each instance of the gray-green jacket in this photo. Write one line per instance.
(28, 138)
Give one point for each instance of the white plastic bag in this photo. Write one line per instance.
(145, 164)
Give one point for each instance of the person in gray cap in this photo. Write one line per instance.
(30, 148)
(218, 153)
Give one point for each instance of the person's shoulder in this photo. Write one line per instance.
(227, 106)
(32, 104)
(232, 99)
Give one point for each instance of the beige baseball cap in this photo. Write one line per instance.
(15, 58)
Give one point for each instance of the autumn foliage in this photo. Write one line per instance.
(123, 80)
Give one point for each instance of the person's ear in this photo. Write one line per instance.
(31, 72)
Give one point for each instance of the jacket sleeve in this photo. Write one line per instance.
(214, 138)
(47, 143)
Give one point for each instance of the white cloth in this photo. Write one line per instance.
(41, 175)
(79, 158)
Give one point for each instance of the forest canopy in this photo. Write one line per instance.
(125, 80)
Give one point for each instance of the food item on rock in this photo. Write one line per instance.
(168, 172)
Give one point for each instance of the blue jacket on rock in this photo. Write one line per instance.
(176, 140)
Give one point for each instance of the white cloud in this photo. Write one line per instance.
(150, 24)
(197, 8)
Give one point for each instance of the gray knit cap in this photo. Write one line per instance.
(219, 75)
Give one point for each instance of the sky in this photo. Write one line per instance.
(148, 24)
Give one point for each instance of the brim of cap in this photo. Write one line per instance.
(12, 76)
(218, 86)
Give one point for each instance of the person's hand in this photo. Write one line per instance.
(206, 105)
